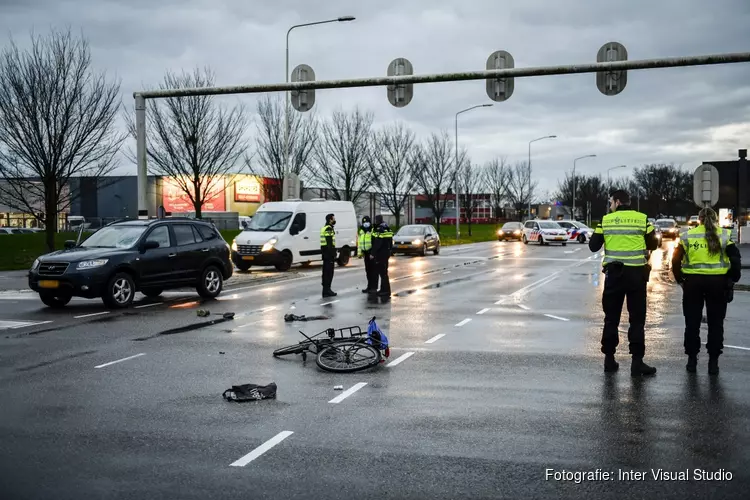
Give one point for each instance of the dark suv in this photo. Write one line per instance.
(135, 255)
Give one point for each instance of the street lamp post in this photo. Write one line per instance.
(286, 106)
(575, 184)
(539, 139)
(609, 178)
(458, 208)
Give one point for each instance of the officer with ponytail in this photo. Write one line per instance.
(706, 264)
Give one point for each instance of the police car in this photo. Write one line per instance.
(577, 231)
(544, 232)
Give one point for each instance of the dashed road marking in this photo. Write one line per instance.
(556, 317)
(738, 347)
(524, 307)
(348, 392)
(329, 303)
(483, 310)
(260, 450)
(463, 322)
(400, 359)
(90, 315)
(435, 338)
(121, 360)
(150, 305)
(12, 325)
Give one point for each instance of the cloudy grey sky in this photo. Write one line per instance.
(681, 115)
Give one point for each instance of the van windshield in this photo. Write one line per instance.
(269, 221)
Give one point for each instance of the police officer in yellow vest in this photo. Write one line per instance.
(328, 251)
(364, 251)
(382, 247)
(626, 236)
(706, 264)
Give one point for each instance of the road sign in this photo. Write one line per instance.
(400, 95)
(611, 82)
(500, 89)
(303, 100)
(706, 185)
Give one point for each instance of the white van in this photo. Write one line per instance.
(283, 233)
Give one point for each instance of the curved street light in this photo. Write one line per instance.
(575, 184)
(538, 139)
(458, 207)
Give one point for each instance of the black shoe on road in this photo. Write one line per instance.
(692, 364)
(367, 290)
(384, 294)
(610, 365)
(329, 293)
(713, 366)
(638, 368)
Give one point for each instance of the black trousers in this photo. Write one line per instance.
(328, 263)
(370, 271)
(381, 263)
(624, 283)
(697, 291)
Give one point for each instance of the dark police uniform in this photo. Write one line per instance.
(706, 280)
(382, 246)
(328, 250)
(364, 250)
(627, 236)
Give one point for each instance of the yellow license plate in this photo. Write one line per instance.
(49, 284)
(403, 246)
(559, 238)
(248, 257)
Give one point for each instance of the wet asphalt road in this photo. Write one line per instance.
(498, 380)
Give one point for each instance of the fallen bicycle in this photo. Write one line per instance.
(343, 350)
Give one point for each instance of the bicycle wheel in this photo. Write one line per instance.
(348, 356)
(292, 349)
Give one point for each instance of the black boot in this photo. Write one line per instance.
(610, 365)
(384, 293)
(329, 293)
(638, 368)
(713, 365)
(692, 364)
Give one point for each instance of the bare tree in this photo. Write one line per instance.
(471, 183)
(269, 142)
(496, 175)
(341, 155)
(519, 191)
(57, 120)
(193, 140)
(432, 166)
(389, 166)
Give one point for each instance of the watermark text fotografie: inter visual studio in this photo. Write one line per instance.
(596, 475)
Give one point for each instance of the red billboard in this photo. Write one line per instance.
(176, 200)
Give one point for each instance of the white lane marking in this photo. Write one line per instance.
(149, 305)
(12, 325)
(578, 249)
(121, 360)
(556, 317)
(92, 314)
(435, 338)
(463, 322)
(272, 308)
(400, 359)
(738, 347)
(348, 392)
(483, 310)
(329, 303)
(245, 325)
(525, 308)
(447, 272)
(260, 450)
(570, 251)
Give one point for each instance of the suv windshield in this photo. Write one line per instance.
(549, 225)
(666, 223)
(269, 221)
(114, 237)
(411, 231)
(512, 225)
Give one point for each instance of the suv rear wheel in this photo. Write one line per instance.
(211, 283)
(55, 301)
(120, 291)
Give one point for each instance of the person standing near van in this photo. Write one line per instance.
(706, 264)
(364, 251)
(328, 251)
(626, 236)
(382, 246)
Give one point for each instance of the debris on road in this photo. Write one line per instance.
(202, 313)
(293, 317)
(338, 387)
(250, 392)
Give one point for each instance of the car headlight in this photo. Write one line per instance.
(91, 264)
(517, 231)
(234, 245)
(35, 264)
(416, 242)
(268, 246)
(499, 231)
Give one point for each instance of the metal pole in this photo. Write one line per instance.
(538, 139)
(140, 138)
(382, 81)
(458, 207)
(575, 183)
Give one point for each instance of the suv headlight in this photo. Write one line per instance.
(91, 264)
(416, 242)
(234, 245)
(35, 264)
(268, 246)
